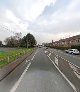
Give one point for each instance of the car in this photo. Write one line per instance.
(46, 47)
(40, 46)
(66, 51)
(72, 51)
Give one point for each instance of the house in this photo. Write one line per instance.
(68, 42)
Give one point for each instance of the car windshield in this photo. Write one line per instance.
(39, 45)
(75, 50)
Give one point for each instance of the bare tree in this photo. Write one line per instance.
(13, 41)
(1, 44)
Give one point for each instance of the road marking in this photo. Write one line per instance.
(20, 79)
(63, 75)
(34, 55)
(76, 57)
(66, 60)
(75, 70)
(31, 58)
(49, 54)
(56, 60)
(69, 62)
(27, 61)
(46, 51)
(78, 76)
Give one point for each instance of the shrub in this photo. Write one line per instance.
(75, 47)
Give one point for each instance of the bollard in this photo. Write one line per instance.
(56, 60)
(8, 59)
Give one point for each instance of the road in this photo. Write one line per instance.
(41, 76)
(8, 82)
(75, 59)
(38, 74)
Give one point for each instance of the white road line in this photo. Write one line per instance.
(49, 54)
(20, 79)
(18, 82)
(46, 51)
(76, 57)
(27, 61)
(34, 56)
(63, 75)
(67, 60)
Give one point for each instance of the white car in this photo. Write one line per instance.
(72, 51)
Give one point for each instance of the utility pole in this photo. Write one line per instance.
(27, 41)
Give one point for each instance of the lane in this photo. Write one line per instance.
(42, 76)
(8, 82)
(73, 59)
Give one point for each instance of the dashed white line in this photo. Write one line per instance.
(46, 51)
(66, 60)
(49, 54)
(34, 55)
(67, 54)
(63, 75)
(20, 79)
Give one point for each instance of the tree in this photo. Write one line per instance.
(31, 40)
(28, 41)
(1, 44)
(23, 42)
(10, 42)
(17, 41)
(18, 38)
(13, 41)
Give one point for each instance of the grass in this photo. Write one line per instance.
(10, 56)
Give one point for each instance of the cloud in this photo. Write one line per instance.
(16, 16)
(46, 19)
(65, 20)
(10, 16)
(28, 9)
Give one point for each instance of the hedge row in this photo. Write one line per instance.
(64, 48)
(76, 47)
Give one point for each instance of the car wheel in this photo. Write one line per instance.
(72, 53)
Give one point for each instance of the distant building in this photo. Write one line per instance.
(68, 42)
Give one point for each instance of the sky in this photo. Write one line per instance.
(47, 20)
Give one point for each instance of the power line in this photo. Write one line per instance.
(5, 28)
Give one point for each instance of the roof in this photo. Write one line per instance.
(67, 39)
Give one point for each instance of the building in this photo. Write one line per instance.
(68, 42)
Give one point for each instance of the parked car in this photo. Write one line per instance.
(46, 47)
(40, 46)
(72, 51)
(67, 51)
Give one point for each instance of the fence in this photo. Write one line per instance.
(6, 60)
(10, 67)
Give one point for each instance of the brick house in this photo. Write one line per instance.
(68, 42)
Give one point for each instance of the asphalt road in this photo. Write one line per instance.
(40, 75)
(8, 82)
(75, 59)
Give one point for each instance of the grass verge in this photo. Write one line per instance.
(10, 56)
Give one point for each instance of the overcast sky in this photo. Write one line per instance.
(47, 20)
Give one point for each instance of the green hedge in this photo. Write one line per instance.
(64, 48)
(61, 48)
(76, 47)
